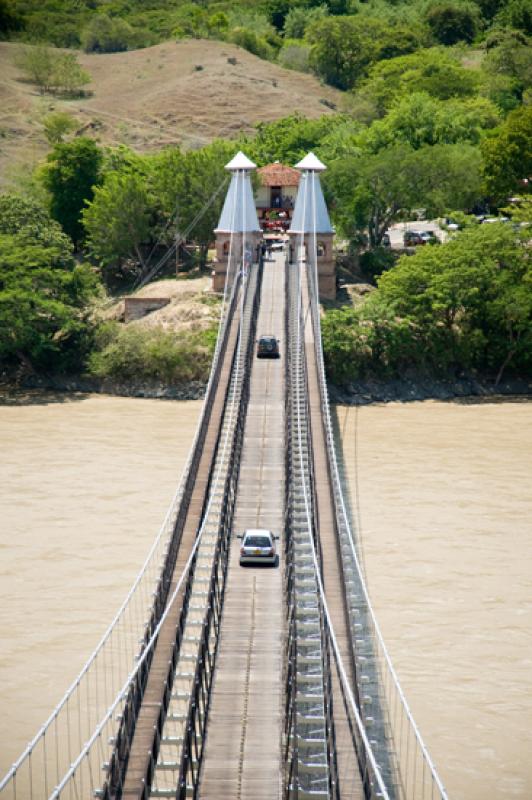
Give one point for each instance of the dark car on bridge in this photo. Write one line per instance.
(268, 347)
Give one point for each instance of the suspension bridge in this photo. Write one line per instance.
(219, 681)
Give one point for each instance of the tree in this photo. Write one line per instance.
(471, 296)
(43, 293)
(71, 172)
(18, 212)
(53, 71)
(343, 48)
(516, 14)
(117, 219)
(183, 192)
(299, 18)
(369, 192)
(287, 139)
(511, 58)
(10, 20)
(432, 71)
(453, 22)
(418, 119)
(507, 155)
(104, 34)
(39, 64)
(68, 76)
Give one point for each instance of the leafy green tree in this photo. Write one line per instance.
(520, 210)
(516, 14)
(418, 120)
(299, 18)
(250, 41)
(187, 191)
(433, 71)
(507, 155)
(44, 295)
(474, 292)
(117, 219)
(453, 22)
(489, 8)
(18, 212)
(343, 48)
(511, 58)
(39, 64)
(369, 192)
(10, 18)
(51, 70)
(287, 139)
(104, 34)
(70, 175)
(68, 76)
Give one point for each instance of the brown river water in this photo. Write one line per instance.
(444, 509)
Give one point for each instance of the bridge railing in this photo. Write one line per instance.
(388, 727)
(96, 693)
(197, 718)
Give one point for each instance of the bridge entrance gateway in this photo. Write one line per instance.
(219, 680)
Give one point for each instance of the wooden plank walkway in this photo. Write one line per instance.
(140, 756)
(242, 756)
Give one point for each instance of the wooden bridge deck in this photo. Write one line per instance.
(242, 757)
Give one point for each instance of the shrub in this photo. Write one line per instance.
(56, 125)
(151, 354)
(252, 43)
(294, 55)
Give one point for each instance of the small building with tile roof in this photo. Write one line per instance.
(275, 196)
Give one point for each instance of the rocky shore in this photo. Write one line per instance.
(189, 391)
(422, 388)
(407, 389)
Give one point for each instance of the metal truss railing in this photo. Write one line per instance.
(197, 716)
(309, 749)
(389, 741)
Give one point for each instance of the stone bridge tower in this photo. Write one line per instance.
(311, 227)
(238, 233)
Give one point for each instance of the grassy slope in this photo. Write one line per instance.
(158, 96)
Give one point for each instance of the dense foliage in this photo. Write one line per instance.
(436, 121)
(140, 355)
(44, 295)
(465, 305)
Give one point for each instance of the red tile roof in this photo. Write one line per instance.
(278, 175)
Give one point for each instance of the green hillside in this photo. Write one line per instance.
(435, 120)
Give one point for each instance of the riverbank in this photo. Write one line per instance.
(418, 388)
(357, 393)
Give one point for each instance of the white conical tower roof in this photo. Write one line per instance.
(240, 161)
(239, 213)
(311, 162)
(310, 212)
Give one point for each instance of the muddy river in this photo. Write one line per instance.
(444, 512)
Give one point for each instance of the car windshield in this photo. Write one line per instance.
(257, 541)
